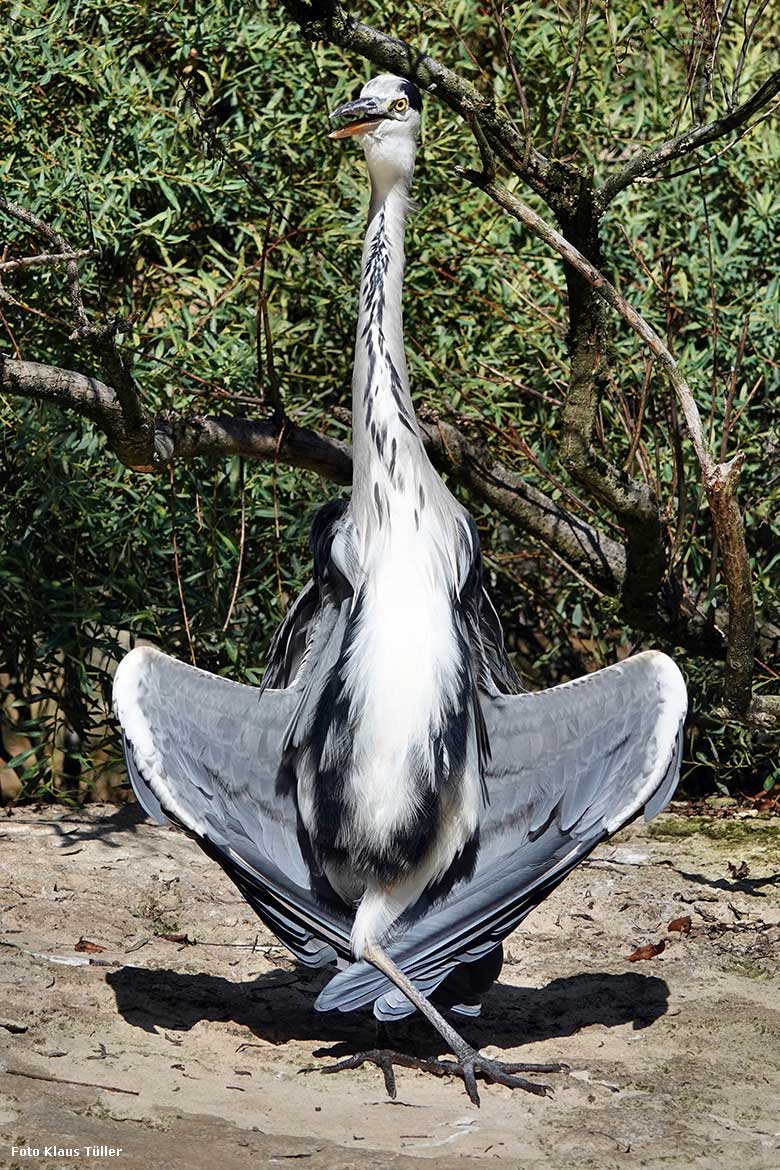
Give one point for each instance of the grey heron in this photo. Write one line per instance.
(389, 800)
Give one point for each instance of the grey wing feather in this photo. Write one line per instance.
(207, 754)
(500, 673)
(294, 645)
(290, 642)
(569, 766)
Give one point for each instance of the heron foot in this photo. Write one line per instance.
(468, 1067)
(384, 1059)
(472, 1064)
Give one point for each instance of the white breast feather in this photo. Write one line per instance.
(402, 672)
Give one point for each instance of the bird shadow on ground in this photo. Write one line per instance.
(278, 1007)
(127, 818)
(750, 886)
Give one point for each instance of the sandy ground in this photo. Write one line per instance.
(674, 1062)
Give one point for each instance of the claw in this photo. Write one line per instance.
(470, 1081)
(388, 1073)
(383, 1058)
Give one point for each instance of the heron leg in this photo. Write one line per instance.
(469, 1062)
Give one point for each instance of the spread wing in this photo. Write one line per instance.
(569, 766)
(207, 754)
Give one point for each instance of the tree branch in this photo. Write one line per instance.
(597, 555)
(719, 479)
(45, 260)
(599, 558)
(585, 16)
(648, 161)
(101, 337)
(720, 484)
(173, 438)
(632, 502)
(326, 20)
(53, 237)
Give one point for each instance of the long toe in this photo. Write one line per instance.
(384, 1059)
(380, 1057)
(472, 1064)
(499, 1073)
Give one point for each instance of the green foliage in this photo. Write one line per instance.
(175, 195)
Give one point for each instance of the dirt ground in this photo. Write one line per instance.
(189, 1056)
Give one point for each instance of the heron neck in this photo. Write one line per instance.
(383, 420)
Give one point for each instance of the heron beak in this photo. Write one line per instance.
(359, 115)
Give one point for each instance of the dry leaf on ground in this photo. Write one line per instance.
(91, 948)
(648, 951)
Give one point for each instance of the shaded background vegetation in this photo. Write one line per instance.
(178, 141)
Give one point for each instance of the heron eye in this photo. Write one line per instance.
(399, 105)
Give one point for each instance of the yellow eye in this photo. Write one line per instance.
(399, 105)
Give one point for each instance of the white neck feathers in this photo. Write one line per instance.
(384, 424)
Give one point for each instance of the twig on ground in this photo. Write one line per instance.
(17, 1072)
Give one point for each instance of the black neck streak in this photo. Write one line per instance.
(382, 371)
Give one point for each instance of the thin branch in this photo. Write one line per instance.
(277, 402)
(11, 334)
(61, 245)
(15, 303)
(102, 336)
(640, 415)
(500, 376)
(728, 420)
(710, 31)
(218, 149)
(649, 161)
(46, 260)
(749, 30)
(485, 150)
(177, 569)
(241, 546)
(17, 1072)
(572, 78)
(519, 88)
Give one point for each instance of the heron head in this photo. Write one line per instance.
(385, 119)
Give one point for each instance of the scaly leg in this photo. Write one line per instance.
(469, 1062)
